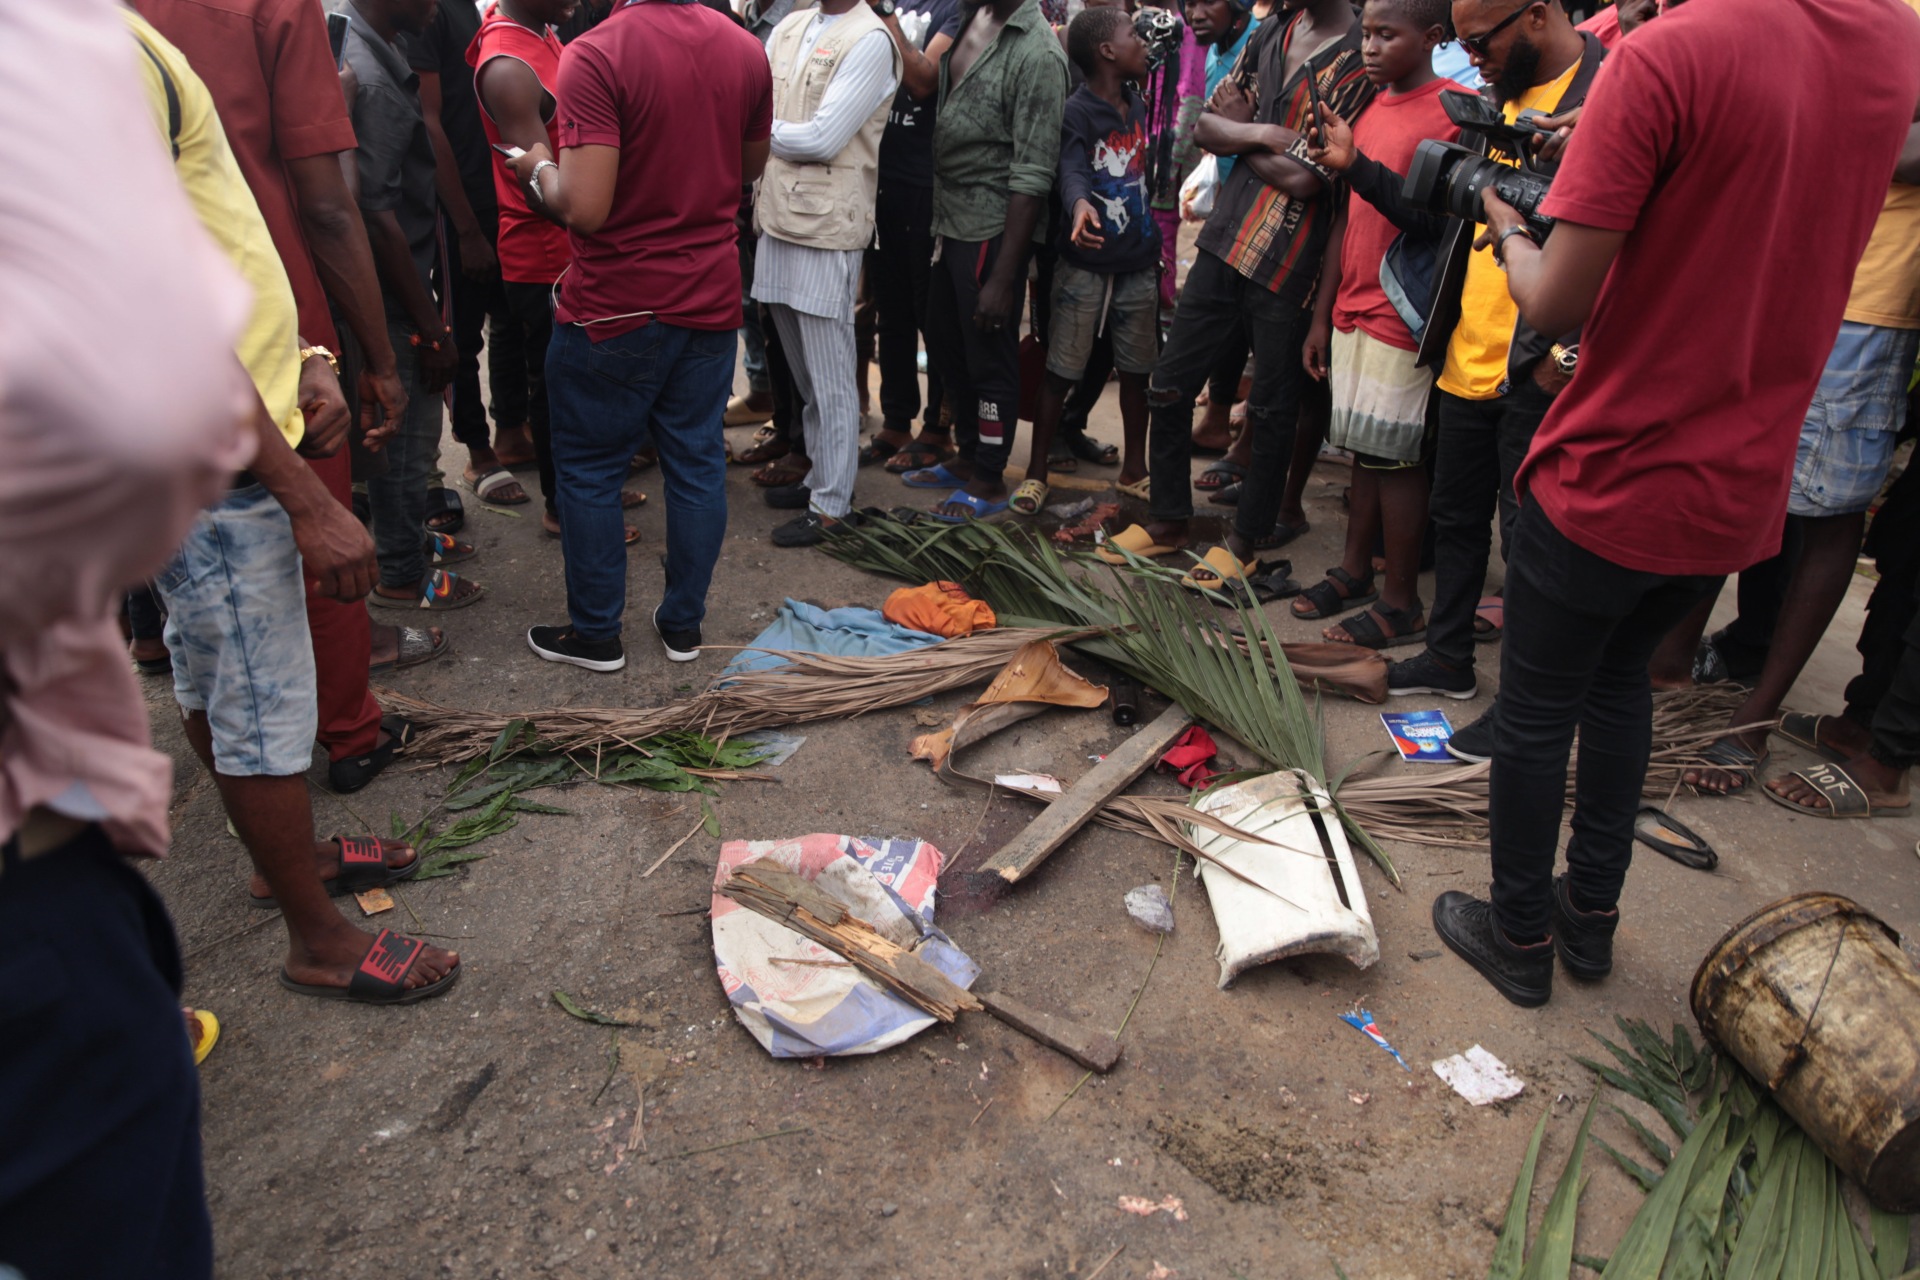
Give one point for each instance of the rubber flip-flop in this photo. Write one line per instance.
(1844, 795)
(1734, 757)
(489, 484)
(977, 508)
(877, 450)
(1228, 473)
(413, 646)
(1492, 612)
(1227, 495)
(1663, 833)
(363, 863)
(203, 1032)
(442, 591)
(918, 455)
(1029, 497)
(444, 549)
(1282, 534)
(1134, 540)
(1803, 730)
(1324, 599)
(445, 512)
(934, 477)
(1216, 570)
(382, 975)
(1141, 489)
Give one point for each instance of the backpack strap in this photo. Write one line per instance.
(173, 96)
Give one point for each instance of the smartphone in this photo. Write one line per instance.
(511, 153)
(337, 38)
(1318, 137)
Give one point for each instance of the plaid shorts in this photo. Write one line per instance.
(1846, 442)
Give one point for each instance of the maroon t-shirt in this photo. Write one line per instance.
(1745, 149)
(270, 71)
(677, 88)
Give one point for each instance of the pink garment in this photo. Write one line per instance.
(122, 412)
(1168, 220)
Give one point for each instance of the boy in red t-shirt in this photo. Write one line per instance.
(1360, 344)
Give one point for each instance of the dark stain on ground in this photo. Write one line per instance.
(1239, 1161)
(455, 1108)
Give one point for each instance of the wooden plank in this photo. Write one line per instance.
(1020, 856)
(1094, 1050)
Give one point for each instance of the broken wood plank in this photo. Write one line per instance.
(1020, 856)
(1094, 1050)
(812, 912)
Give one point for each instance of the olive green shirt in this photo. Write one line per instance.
(997, 132)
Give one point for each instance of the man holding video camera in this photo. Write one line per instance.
(1709, 268)
(1498, 374)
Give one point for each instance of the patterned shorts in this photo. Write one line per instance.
(1846, 442)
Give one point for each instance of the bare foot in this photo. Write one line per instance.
(513, 446)
(386, 644)
(1214, 432)
(1727, 781)
(1168, 533)
(326, 856)
(1884, 785)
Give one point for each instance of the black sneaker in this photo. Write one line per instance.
(681, 646)
(1584, 939)
(1523, 975)
(1474, 743)
(1424, 673)
(801, 531)
(789, 497)
(559, 644)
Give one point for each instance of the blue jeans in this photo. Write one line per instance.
(605, 399)
(398, 499)
(237, 628)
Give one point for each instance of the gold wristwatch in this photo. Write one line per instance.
(333, 362)
(1566, 359)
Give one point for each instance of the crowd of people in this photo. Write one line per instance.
(1686, 363)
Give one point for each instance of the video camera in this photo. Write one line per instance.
(1161, 30)
(1446, 177)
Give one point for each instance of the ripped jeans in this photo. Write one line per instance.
(1218, 306)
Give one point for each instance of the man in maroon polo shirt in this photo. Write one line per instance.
(287, 123)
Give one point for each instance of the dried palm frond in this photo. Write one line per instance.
(813, 686)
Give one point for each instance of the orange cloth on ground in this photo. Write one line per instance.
(940, 608)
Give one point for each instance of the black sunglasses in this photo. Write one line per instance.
(1478, 44)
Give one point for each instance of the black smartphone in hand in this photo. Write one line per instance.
(1317, 137)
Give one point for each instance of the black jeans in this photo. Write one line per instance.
(899, 273)
(1579, 633)
(100, 1172)
(146, 620)
(979, 370)
(1480, 446)
(528, 317)
(1219, 306)
(507, 359)
(1893, 540)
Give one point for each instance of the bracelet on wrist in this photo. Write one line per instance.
(1500, 242)
(308, 353)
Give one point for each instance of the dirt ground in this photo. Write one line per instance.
(486, 1134)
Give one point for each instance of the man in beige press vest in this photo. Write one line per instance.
(835, 69)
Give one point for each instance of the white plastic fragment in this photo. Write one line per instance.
(1150, 909)
(1479, 1077)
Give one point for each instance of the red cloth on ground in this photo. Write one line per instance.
(1672, 449)
(1189, 756)
(531, 249)
(270, 70)
(1388, 132)
(678, 88)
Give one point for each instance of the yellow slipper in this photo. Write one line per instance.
(1215, 570)
(1029, 497)
(1141, 489)
(203, 1032)
(1135, 539)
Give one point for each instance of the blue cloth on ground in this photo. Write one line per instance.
(845, 633)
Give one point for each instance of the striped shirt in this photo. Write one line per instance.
(1264, 234)
(825, 282)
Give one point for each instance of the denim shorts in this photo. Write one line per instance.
(237, 628)
(1846, 442)
(1132, 315)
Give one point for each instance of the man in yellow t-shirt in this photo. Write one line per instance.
(235, 593)
(1497, 376)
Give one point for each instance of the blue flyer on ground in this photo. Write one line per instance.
(1421, 736)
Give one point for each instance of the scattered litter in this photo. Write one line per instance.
(779, 747)
(1420, 736)
(1423, 955)
(1363, 1022)
(1187, 758)
(1090, 525)
(845, 633)
(1290, 890)
(1286, 1096)
(586, 1014)
(374, 901)
(1029, 782)
(1161, 1272)
(1146, 1208)
(806, 1011)
(1357, 1098)
(928, 718)
(1479, 1077)
(1150, 909)
(1070, 510)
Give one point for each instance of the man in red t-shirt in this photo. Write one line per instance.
(665, 110)
(1710, 287)
(272, 77)
(516, 75)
